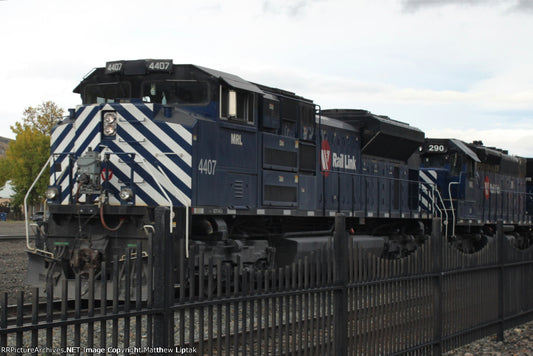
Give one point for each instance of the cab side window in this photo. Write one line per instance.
(307, 123)
(237, 105)
(456, 164)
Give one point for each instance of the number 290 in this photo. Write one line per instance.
(436, 148)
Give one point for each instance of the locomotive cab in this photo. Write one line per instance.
(450, 164)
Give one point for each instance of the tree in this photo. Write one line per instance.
(42, 118)
(28, 153)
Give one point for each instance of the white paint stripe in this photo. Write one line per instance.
(108, 106)
(426, 178)
(69, 138)
(83, 115)
(163, 136)
(424, 203)
(125, 169)
(84, 135)
(163, 159)
(156, 195)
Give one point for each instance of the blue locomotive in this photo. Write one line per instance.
(256, 174)
(472, 187)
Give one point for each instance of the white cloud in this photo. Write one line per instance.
(521, 141)
(445, 66)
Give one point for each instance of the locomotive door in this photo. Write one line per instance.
(347, 168)
(385, 180)
(371, 191)
(398, 191)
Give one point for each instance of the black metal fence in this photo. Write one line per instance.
(339, 300)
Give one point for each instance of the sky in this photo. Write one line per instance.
(452, 68)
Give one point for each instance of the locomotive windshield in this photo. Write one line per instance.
(181, 92)
(106, 92)
(451, 160)
(177, 92)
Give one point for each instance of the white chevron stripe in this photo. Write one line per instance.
(65, 183)
(424, 203)
(428, 176)
(117, 184)
(107, 107)
(61, 148)
(66, 141)
(163, 136)
(163, 159)
(81, 137)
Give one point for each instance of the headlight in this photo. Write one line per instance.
(110, 117)
(110, 123)
(110, 130)
(51, 193)
(126, 194)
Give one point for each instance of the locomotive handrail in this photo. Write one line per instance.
(184, 199)
(451, 204)
(431, 188)
(445, 222)
(170, 205)
(166, 195)
(27, 224)
(435, 204)
(436, 198)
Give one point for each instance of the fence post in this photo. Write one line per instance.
(501, 260)
(340, 303)
(160, 249)
(437, 244)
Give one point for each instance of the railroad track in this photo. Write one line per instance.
(12, 237)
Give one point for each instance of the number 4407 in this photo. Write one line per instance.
(207, 166)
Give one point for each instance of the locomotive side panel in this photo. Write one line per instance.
(339, 165)
(226, 165)
(280, 166)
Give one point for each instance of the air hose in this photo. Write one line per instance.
(102, 220)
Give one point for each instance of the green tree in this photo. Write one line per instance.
(28, 153)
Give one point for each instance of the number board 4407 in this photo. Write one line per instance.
(159, 65)
(207, 166)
